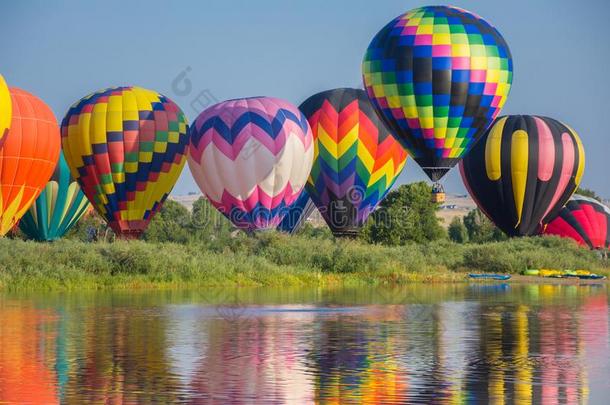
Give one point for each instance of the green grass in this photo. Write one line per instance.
(271, 259)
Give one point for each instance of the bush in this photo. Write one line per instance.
(457, 231)
(405, 215)
(480, 229)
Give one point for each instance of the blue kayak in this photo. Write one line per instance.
(490, 276)
(591, 277)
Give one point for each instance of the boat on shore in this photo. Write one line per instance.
(489, 276)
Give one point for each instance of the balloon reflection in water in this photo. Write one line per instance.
(541, 344)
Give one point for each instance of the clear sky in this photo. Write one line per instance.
(63, 50)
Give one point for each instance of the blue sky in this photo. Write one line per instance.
(63, 50)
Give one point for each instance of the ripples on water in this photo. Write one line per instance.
(422, 344)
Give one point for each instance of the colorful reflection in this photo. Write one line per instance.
(515, 344)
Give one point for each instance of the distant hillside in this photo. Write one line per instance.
(455, 205)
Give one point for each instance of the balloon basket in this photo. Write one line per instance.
(438, 193)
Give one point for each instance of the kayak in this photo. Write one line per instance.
(551, 273)
(581, 274)
(591, 277)
(490, 276)
(543, 273)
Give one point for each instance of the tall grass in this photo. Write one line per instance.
(271, 259)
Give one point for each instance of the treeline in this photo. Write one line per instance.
(405, 216)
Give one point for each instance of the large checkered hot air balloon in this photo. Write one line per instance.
(251, 157)
(27, 158)
(58, 207)
(356, 159)
(583, 219)
(126, 147)
(523, 171)
(6, 110)
(438, 76)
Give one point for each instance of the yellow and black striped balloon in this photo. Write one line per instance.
(523, 170)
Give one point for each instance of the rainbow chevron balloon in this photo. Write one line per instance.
(251, 158)
(126, 147)
(438, 76)
(356, 159)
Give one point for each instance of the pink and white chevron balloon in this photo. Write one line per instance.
(251, 157)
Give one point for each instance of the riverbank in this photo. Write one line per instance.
(271, 259)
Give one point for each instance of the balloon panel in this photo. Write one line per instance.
(297, 214)
(6, 110)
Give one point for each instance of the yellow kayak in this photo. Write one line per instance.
(554, 273)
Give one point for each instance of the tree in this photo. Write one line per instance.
(406, 214)
(480, 229)
(586, 192)
(171, 224)
(208, 222)
(457, 231)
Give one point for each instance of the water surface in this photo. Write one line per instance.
(449, 344)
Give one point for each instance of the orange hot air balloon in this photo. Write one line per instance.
(28, 157)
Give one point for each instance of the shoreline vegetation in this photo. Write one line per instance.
(273, 259)
(403, 242)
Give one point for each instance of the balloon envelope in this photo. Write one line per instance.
(251, 158)
(60, 205)
(356, 159)
(523, 171)
(297, 213)
(6, 110)
(438, 76)
(27, 158)
(126, 148)
(583, 219)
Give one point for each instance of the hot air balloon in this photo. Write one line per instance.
(6, 110)
(60, 205)
(27, 158)
(297, 214)
(523, 171)
(356, 159)
(126, 148)
(251, 158)
(438, 76)
(583, 219)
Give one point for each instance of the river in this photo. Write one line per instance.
(447, 343)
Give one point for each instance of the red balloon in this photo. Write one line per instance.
(585, 220)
